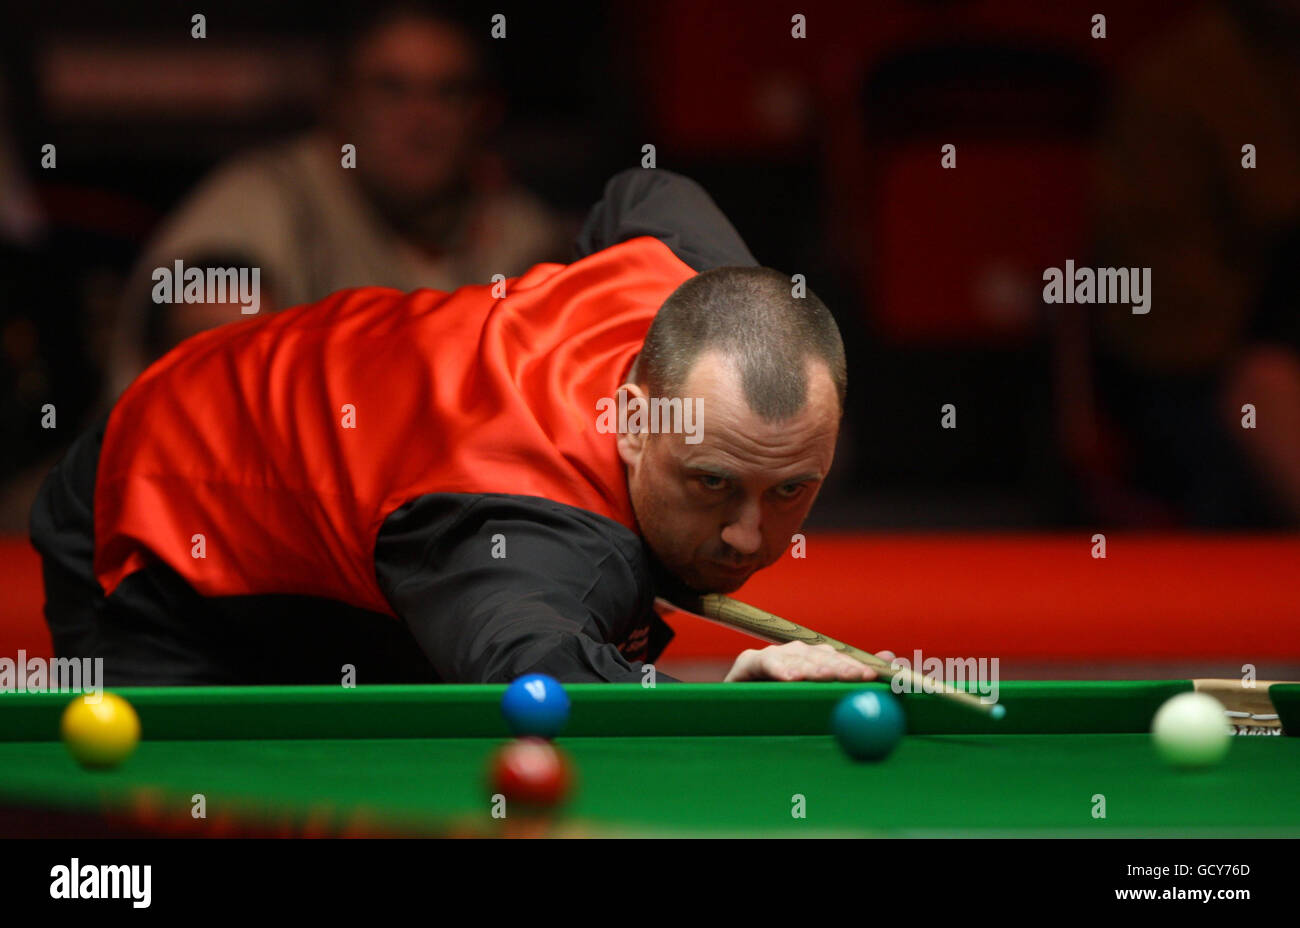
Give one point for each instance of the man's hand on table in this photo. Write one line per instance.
(798, 661)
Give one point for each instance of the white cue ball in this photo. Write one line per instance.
(1191, 730)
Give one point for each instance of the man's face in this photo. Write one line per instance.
(413, 109)
(716, 511)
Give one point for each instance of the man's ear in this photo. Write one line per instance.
(633, 430)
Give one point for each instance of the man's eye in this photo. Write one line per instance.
(711, 482)
(789, 490)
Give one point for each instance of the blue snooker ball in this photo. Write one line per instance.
(868, 724)
(537, 705)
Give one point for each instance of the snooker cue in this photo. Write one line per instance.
(734, 614)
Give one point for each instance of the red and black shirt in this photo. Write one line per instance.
(431, 457)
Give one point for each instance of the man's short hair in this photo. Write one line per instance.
(749, 315)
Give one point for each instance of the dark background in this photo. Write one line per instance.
(805, 145)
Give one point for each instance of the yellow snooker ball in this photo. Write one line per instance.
(100, 734)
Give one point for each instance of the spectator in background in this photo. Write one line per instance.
(1223, 247)
(424, 207)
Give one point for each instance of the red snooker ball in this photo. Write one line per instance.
(531, 772)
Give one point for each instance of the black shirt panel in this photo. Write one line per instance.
(62, 520)
(495, 586)
(667, 206)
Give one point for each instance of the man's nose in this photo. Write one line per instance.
(744, 532)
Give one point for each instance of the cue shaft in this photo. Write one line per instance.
(733, 613)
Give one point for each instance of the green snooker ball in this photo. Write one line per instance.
(1191, 730)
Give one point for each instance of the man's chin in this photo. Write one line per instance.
(715, 584)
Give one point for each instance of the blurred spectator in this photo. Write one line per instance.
(1222, 246)
(425, 206)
